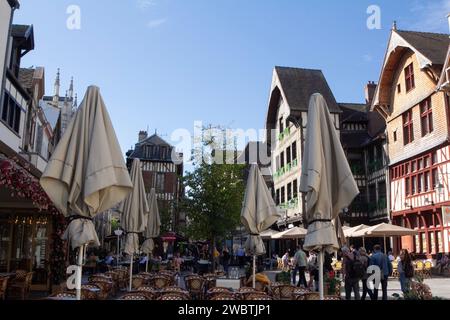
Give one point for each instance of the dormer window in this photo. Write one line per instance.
(409, 77)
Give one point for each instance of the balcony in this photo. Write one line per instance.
(286, 169)
(286, 133)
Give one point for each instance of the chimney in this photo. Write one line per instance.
(142, 136)
(370, 91)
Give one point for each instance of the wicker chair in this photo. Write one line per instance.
(63, 295)
(150, 291)
(332, 298)
(223, 296)
(90, 291)
(243, 292)
(21, 285)
(137, 281)
(419, 268)
(217, 290)
(161, 281)
(210, 280)
(299, 293)
(135, 296)
(177, 290)
(283, 292)
(427, 269)
(195, 286)
(258, 296)
(172, 296)
(3, 287)
(312, 296)
(395, 273)
(105, 288)
(115, 276)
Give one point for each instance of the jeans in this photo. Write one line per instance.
(351, 284)
(302, 279)
(404, 282)
(365, 290)
(374, 294)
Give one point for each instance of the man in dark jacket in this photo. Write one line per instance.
(379, 259)
(350, 280)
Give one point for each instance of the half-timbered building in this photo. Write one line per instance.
(418, 131)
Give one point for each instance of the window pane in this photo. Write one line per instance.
(16, 126)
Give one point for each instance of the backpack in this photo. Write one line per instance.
(357, 270)
(409, 270)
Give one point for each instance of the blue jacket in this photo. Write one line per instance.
(380, 259)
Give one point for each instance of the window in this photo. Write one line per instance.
(160, 182)
(399, 88)
(408, 130)
(294, 150)
(277, 163)
(427, 181)
(39, 138)
(282, 159)
(420, 183)
(283, 196)
(414, 185)
(11, 113)
(277, 197)
(407, 187)
(395, 136)
(435, 178)
(409, 77)
(288, 155)
(426, 117)
(295, 188)
(281, 125)
(289, 192)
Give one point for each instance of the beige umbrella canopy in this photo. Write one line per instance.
(384, 230)
(294, 233)
(86, 173)
(267, 235)
(326, 179)
(350, 232)
(135, 212)
(153, 226)
(259, 213)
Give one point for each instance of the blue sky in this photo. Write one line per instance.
(164, 64)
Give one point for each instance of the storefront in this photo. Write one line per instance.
(30, 227)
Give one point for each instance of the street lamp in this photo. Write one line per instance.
(118, 233)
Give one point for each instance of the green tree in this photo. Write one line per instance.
(214, 195)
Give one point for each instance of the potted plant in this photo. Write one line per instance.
(332, 284)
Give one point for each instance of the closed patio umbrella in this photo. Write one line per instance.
(267, 235)
(152, 229)
(259, 212)
(327, 181)
(86, 173)
(384, 230)
(134, 212)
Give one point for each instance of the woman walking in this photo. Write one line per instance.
(406, 270)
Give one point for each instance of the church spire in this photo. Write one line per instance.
(75, 102)
(71, 89)
(56, 90)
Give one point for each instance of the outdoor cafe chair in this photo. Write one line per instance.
(3, 287)
(419, 268)
(176, 290)
(134, 296)
(195, 286)
(258, 296)
(21, 284)
(243, 292)
(217, 290)
(160, 281)
(283, 292)
(137, 281)
(90, 291)
(395, 273)
(63, 296)
(312, 296)
(172, 296)
(105, 288)
(427, 269)
(223, 296)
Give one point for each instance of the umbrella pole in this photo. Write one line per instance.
(79, 272)
(146, 263)
(254, 271)
(131, 271)
(364, 243)
(321, 274)
(385, 249)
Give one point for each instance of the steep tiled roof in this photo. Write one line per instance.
(432, 45)
(299, 84)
